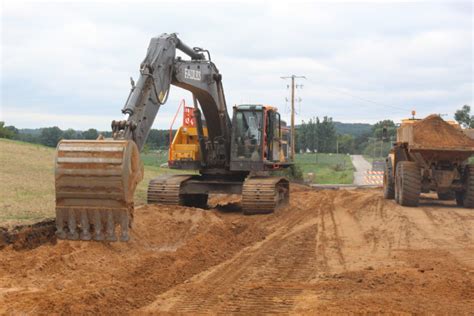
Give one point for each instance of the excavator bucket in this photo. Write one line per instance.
(95, 183)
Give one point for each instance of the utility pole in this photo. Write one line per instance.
(293, 77)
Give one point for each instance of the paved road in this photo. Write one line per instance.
(361, 166)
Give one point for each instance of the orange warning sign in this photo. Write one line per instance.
(188, 117)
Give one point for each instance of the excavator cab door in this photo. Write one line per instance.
(247, 137)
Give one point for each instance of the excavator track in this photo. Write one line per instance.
(262, 195)
(166, 190)
(95, 183)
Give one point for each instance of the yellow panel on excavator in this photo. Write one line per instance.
(185, 145)
(95, 183)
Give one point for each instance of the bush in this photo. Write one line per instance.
(294, 172)
(339, 167)
(7, 131)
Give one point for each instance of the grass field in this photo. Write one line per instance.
(154, 158)
(27, 178)
(27, 181)
(327, 168)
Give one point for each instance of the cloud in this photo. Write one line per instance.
(68, 64)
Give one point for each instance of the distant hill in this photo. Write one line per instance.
(355, 129)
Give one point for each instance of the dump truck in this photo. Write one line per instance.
(96, 179)
(430, 154)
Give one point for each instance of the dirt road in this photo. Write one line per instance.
(328, 251)
(361, 165)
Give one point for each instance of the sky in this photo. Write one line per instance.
(68, 64)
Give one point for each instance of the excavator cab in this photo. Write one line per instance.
(258, 142)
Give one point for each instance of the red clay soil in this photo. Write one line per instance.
(28, 236)
(434, 132)
(327, 252)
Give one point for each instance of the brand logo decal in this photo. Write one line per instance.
(192, 74)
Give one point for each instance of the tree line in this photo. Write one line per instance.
(50, 136)
(322, 136)
(315, 135)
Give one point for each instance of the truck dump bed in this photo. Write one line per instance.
(432, 136)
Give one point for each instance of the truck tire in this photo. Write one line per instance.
(446, 196)
(408, 183)
(468, 196)
(388, 181)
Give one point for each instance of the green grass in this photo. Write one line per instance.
(27, 181)
(154, 158)
(27, 178)
(327, 168)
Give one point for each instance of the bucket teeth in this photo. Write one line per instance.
(124, 224)
(93, 224)
(110, 227)
(85, 227)
(72, 225)
(97, 224)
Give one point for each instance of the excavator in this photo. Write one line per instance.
(95, 180)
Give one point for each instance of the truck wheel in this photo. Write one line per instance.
(468, 196)
(388, 181)
(408, 183)
(446, 196)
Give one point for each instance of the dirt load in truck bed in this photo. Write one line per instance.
(434, 132)
(326, 252)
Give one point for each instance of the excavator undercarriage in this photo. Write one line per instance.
(260, 195)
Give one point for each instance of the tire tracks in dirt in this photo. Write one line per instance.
(327, 252)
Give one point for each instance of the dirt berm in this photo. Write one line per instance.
(327, 252)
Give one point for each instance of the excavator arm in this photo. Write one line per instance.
(96, 179)
(159, 70)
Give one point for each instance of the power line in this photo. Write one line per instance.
(339, 91)
(293, 77)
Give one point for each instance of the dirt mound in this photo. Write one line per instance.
(327, 252)
(433, 131)
(28, 236)
(168, 246)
